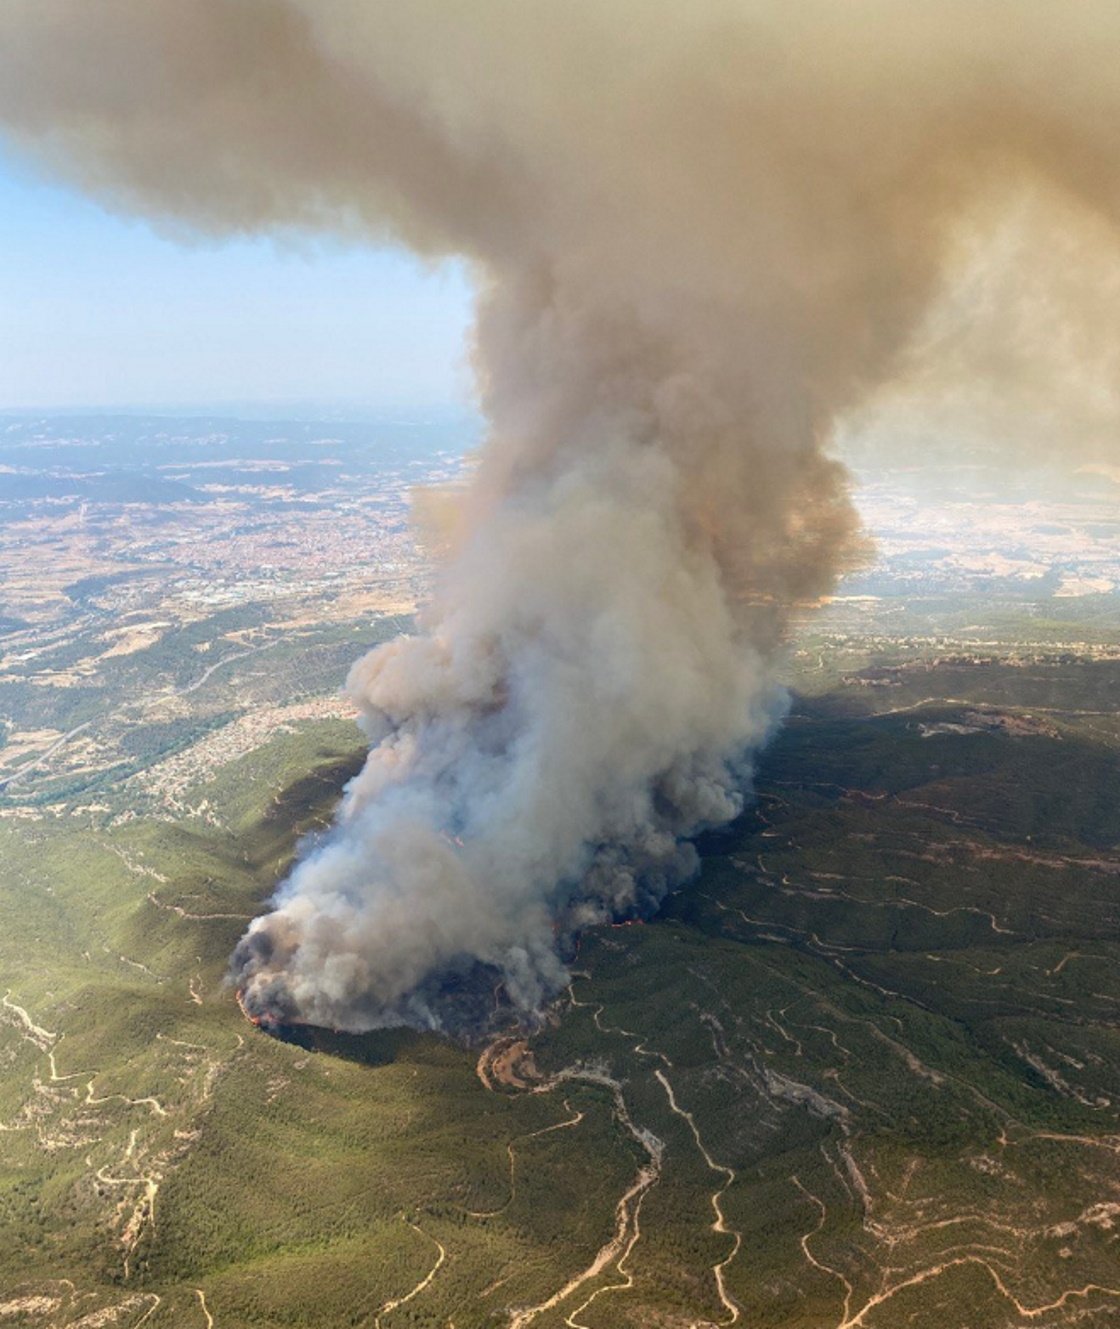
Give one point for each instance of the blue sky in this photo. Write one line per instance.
(98, 310)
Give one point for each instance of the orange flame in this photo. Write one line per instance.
(257, 1021)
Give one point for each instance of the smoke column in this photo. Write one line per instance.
(701, 235)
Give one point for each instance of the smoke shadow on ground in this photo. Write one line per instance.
(299, 814)
(380, 1047)
(720, 840)
(314, 795)
(472, 1006)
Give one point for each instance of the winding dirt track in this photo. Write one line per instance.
(934, 1271)
(198, 1292)
(627, 1232)
(394, 1302)
(499, 1063)
(573, 1120)
(719, 1224)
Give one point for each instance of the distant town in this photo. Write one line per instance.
(175, 591)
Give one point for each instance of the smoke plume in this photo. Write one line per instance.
(702, 234)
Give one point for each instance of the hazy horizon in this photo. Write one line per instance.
(104, 312)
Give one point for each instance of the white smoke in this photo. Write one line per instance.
(580, 701)
(701, 235)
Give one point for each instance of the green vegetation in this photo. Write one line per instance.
(878, 1036)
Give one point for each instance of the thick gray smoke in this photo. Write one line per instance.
(701, 235)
